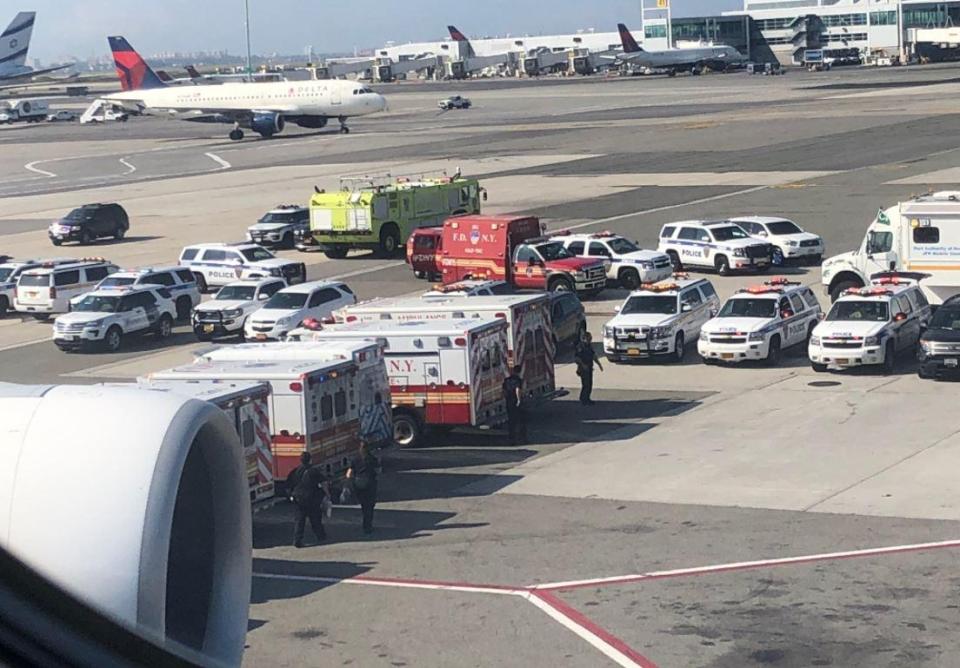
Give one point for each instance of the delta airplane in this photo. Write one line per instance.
(264, 107)
(693, 60)
(14, 43)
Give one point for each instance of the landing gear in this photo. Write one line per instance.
(236, 134)
(344, 130)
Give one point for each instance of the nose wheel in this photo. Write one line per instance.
(344, 130)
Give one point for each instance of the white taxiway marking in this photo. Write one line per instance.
(220, 161)
(130, 168)
(30, 166)
(368, 270)
(22, 344)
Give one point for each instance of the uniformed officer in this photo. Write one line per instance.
(513, 397)
(586, 358)
(308, 487)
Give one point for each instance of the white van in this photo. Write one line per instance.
(48, 290)
(921, 235)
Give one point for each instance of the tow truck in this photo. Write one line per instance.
(514, 249)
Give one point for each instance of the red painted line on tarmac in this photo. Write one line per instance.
(579, 619)
(747, 565)
(441, 585)
(435, 583)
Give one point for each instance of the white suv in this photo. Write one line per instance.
(629, 265)
(48, 290)
(280, 226)
(10, 271)
(291, 306)
(713, 244)
(178, 280)
(760, 321)
(660, 320)
(870, 326)
(103, 317)
(227, 312)
(788, 240)
(471, 288)
(218, 264)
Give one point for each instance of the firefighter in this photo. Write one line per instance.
(513, 397)
(308, 488)
(586, 358)
(363, 476)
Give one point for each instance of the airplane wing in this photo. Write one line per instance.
(34, 73)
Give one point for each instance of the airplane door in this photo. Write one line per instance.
(335, 95)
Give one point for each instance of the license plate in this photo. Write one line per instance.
(31, 294)
(842, 362)
(261, 337)
(68, 338)
(207, 329)
(726, 356)
(950, 361)
(633, 351)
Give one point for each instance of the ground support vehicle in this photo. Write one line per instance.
(29, 111)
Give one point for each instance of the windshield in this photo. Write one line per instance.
(728, 233)
(553, 251)
(287, 301)
(650, 304)
(34, 279)
(783, 227)
(5, 273)
(271, 217)
(116, 281)
(860, 310)
(239, 292)
(946, 318)
(621, 246)
(748, 308)
(97, 304)
(76, 216)
(256, 254)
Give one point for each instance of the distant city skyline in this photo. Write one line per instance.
(289, 26)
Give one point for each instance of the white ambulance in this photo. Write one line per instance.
(445, 373)
(530, 339)
(373, 386)
(247, 405)
(313, 406)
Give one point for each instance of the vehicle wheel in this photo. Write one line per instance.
(236, 135)
(722, 265)
(201, 282)
(287, 241)
(773, 352)
(630, 279)
(842, 286)
(112, 340)
(406, 430)
(85, 237)
(777, 256)
(41, 317)
(389, 240)
(118, 233)
(241, 337)
(678, 349)
(675, 260)
(164, 327)
(4, 306)
(818, 368)
(889, 358)
(56, 242)
(337, 252)
(560, 285)
(184, 306)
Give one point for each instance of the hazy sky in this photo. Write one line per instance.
(288, 26)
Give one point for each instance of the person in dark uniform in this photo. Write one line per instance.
(513, 397)
(586, 358)
(363, 476)
(308, 487)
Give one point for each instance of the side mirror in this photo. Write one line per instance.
(616, 308)
(900, 317)
(821, 316)
(786, 314)
(263, 296)
(684, 308)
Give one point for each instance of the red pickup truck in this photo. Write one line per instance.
(423, 252)
(514, 249)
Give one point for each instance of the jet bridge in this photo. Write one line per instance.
(546, 61)
(388, 69)
(461, 69)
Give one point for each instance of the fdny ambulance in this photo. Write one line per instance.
(373, 387)
(443, 373)
(246, 404)
(313, 407)
(530, 339)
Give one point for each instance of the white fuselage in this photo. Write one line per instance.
(330, 98)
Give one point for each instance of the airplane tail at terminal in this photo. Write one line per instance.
(626, 38)
(192, 72)
(164, 77)
(15, 40)
(458, 36)
(133, 71)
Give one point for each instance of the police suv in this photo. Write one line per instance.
(760, 321)
(713, 244)
(227, 312)
(103, 317)
(217, 264)
(870, 325)
(280, 226)
(788, 240)
(660, 319)
(178, 280)
(48, 289)
(10, 271)
(629, 265)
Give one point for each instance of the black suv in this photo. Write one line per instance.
(940, 344)
(90, 222)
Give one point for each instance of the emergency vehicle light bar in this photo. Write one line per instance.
(659, 287)
(681, 275)
(868, 292)
(781, 280)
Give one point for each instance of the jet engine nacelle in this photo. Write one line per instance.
(315, 122)
(134, 502)
(267, 124)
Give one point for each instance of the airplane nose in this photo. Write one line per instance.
(381, 102)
